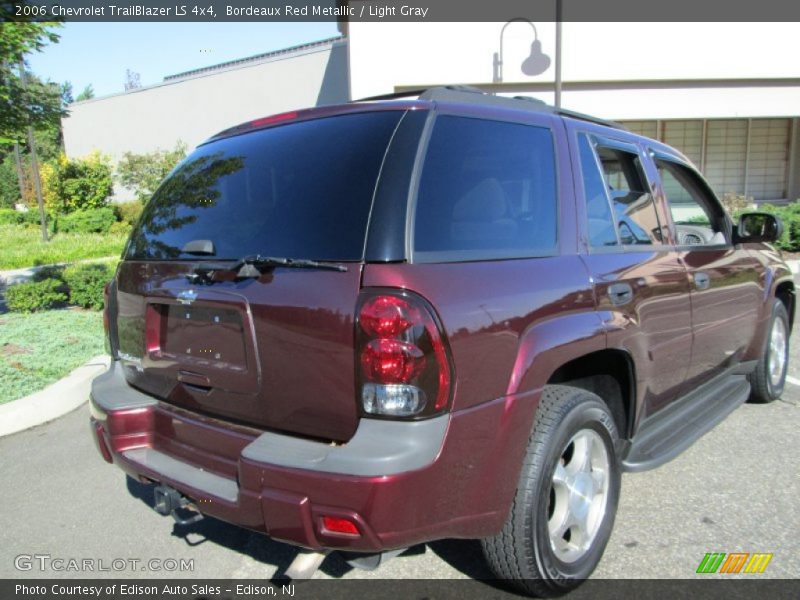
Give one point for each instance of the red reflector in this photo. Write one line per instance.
(100, 441)
(273, 119)
(391, 361)
(339, 525)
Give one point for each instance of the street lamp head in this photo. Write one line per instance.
(538, 62)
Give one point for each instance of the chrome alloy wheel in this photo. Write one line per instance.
(578, 495)
(777, 352)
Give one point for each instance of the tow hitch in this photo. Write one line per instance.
(168, 501)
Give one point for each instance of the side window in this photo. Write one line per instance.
(632, 204)
(488, 190)
(696, 221)
(598, 211)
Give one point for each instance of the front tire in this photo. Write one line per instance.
(769, 378)
(563, 511)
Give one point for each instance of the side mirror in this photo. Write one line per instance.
(758, 227)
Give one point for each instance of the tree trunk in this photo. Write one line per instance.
(37, 181)
(20, 172)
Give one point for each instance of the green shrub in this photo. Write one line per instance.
(86, 283)
(790, 215)
(35, 295)
(76, 184)
(736, 203)
(98, 220)
(10, 216)
(49, 272)
(128, 212)
(120, 228)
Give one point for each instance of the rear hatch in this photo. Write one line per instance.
(257, 341)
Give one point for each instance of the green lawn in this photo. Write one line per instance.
(40, 348)
(23, 247)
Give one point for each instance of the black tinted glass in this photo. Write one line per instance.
(598, 212)
(301, 190)
(488, 190)
(634, 209)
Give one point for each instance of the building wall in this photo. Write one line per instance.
(607, 59)
(726, 94)
(196, 107)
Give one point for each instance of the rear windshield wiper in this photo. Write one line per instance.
(252, 266)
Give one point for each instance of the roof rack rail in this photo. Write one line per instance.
(393, 96)
(475, 95)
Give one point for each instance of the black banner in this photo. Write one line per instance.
(401, 10)
(349, 589)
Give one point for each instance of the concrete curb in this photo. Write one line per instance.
(54, 401)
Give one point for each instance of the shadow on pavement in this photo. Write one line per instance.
(257, 546)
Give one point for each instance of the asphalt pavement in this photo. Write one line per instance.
(735, 490)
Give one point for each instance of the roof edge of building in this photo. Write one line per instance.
(250, 61)
(257, 58)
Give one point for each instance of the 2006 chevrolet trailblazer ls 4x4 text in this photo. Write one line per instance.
(368, 326)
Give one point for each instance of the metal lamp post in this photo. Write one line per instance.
(536, 63)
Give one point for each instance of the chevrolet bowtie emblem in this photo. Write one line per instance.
(187, 296)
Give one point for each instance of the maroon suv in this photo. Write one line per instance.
(368, 326)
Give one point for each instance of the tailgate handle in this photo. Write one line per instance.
(194, 379)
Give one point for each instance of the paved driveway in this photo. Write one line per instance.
(737, 489)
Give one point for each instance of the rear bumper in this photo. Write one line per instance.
(401, 483)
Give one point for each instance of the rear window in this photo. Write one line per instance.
(301, 190)
(488, 190)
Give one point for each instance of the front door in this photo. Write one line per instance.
(724, 279)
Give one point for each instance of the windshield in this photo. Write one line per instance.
(302, 190)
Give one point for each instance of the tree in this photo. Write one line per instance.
(25, 101)
(143, 173)
(86, 94)
(66, 94)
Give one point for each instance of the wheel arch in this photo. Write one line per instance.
(609, 373)
(785, 292)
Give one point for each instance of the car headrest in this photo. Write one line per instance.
(486, 201)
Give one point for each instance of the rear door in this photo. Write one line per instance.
(640, 283)
(725, 284)
(272, 348)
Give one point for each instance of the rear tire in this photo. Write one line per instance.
(563, 511)
(769, 378)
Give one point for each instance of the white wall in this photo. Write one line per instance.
(191, 110)
(386, 55)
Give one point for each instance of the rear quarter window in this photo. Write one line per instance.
(487, 191)
(300, 190)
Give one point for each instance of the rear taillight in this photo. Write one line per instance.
(403, 362)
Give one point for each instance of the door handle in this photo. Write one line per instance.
(620, 293)
(702, 281)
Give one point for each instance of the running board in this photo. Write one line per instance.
(667, 433)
